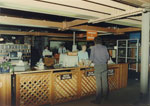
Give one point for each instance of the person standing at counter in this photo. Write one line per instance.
(99, 56)
(35, 56)
(83, 55)
(46, 52)
(62, 49)
(89, 49)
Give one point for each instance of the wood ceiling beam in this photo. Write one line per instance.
(67, 25)
(76, 22)
(94, 28)
(130, 29)
(10, 32)
(28, 22)
(47, 24)
(62, 39)
(32, 22)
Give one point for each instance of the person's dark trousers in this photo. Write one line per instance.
(101, 81)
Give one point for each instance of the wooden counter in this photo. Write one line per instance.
(121, 74)
(5, 90)
(62, 85)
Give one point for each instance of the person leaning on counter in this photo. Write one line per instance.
(99, 56)
(47, 57)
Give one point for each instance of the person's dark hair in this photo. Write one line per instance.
(98, 40)
(46, 47)
(90, 44)
(83, 45)
(80, 47)
(62, 45)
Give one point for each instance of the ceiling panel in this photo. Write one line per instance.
(72, 8)
(113, 4)
(40, 7)
(83, 9)
(80, 4)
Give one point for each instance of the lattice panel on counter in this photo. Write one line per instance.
(112, 82)
(88, 84)
(33, 89)
(65, 89)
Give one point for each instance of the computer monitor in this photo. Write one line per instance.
(15, 55)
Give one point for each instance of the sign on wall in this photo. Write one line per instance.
(90, 35)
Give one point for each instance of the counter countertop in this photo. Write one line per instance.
(112, 66)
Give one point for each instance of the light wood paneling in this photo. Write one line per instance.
(5, 89)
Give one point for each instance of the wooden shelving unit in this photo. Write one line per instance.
(128, 52)
(5, 49)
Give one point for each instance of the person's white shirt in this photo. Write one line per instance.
(62, 50)
(46, 52)
(82, 55)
